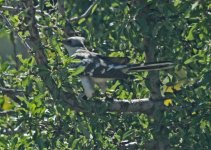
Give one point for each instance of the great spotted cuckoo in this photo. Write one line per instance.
(99, 69)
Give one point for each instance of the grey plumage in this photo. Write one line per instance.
(99, 69)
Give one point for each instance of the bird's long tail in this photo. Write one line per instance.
(150, 66)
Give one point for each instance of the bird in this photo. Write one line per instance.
(99, 69)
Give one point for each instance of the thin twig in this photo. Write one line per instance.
(85, 14)
(11, 90)
(16, 9)
(8, 112)
(10, 8)
(9, 25)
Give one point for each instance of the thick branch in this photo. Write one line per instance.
(145, 106)
(155, 94)
(153, 76)
(136, 105)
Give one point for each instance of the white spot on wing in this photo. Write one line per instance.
(110, 67)
(103, 71)
(116, 67)
(120, 66)
(103, 63)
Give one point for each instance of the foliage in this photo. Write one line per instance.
(180, 32)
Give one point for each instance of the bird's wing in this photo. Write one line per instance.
(99, 66)
(116, 60)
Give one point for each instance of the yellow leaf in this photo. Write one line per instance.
(168, 102)
(177, 87)
(7, 105)
(194, 113)
(168, 89)
(172, 89)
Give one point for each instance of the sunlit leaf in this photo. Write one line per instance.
(75, 142)
(190, 60)
(7, 105)
(177, 87)
(78, 71)
(168, 89)
(195, 5)
(168, 102)
(94, 8)
(114, 4)
(190, 35)
(81, 20)
(127, 134)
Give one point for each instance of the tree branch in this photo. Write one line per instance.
(153, 80)
(9, 25)
(136, 105)
(145, 105)
(85, 14)
(17, 10)
(8, 90)
(41, 59)
(8, 112)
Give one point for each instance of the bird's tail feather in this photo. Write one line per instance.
(150, 66)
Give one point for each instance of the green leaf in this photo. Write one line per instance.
(195, 5)
(113, 88)
(190, 36)
(78, 71)
(75, 142)
(177, 2)
(114, 4)
(94, 8)
(127, 134)
(38, 99)
(126, 10)
(188, 61)
(1, 99)
(81, 20)
(3, 143)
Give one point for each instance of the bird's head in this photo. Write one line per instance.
(74, 43)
